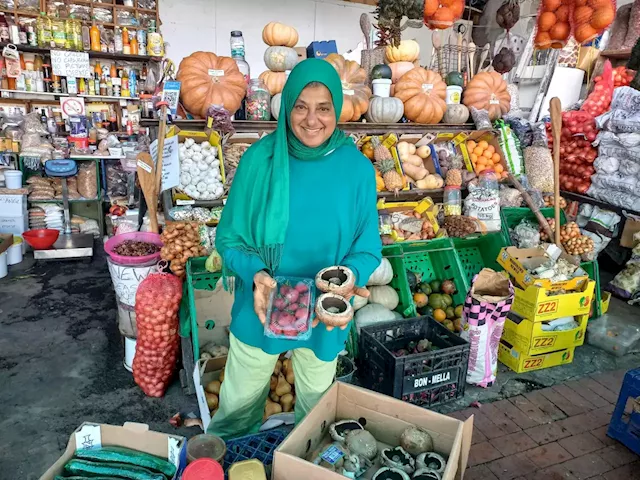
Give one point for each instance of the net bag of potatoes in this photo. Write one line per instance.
(483, 315)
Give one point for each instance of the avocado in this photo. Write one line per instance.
(435, 285)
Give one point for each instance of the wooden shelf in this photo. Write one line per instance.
(618, 54)
(92, 54)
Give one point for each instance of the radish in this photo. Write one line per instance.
(286, 319)
(293, 307)
(302, 287)
(302, 314)
(279, 303)
(292, 296)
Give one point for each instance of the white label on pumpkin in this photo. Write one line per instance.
(348, 92)
(494, 100)
(215, 73)
(427, 87)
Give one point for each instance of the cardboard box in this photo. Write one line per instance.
(13, 204)
(520, 363)
(321, 49)
(386, 418)
(538, 304)
(204, 372)
(426, 208)
(631, 227)
(518, 261)
(529, 337)
(136, 436)
(6, 240)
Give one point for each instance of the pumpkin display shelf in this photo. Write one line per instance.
(92, 54)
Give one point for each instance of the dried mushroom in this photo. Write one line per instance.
(426, 474)
(431, 461)
(398, 458)
(386, 473)
(416, 440)
(361, 442)
(339, 430)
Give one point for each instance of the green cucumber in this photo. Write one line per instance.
(118, 470)
(129, 457)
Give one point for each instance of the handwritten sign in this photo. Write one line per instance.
(88, 436)
(126, 280)
(173, 451)
(170, 161)
(70, 64)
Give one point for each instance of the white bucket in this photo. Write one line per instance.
(14, 253)
(126, 279)
(13, 179)
(454, 94)
(3, 264)
(381, 87)
(129, 353)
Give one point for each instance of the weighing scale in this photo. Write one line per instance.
(68, 246)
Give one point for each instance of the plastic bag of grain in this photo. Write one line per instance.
(538, 165)
(87, 180)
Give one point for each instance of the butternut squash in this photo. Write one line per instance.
(415, 173)
(413, 160)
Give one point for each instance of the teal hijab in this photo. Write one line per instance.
(256, 215)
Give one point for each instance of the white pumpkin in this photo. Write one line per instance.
(280, 59)
(383, 274)
(384, 295)
(385, 110)
(371, 314)
(359, 302)
(456, 114)
(276, 100)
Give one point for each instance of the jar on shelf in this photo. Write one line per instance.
(258, 101)
(488, 179)
(452, 201)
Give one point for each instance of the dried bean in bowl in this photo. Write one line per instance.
(135, 248)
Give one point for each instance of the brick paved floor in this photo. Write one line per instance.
(556, 433)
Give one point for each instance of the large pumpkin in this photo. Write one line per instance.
(276, 101)
(423, 93)
(355, 91)
(208, 79)
(407, 51)
(277, 34)
(488, 91)
(385, 110)
(279, 59)
(273, 80)
(398, 69)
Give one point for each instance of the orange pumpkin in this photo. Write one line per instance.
(422, 92)
(398, 69)
(488, 91)
(273, 80)
(356, 93)
(277, 34)
(199, 89)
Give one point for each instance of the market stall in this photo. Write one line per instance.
(491, 223)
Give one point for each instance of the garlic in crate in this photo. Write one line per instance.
(200, 175)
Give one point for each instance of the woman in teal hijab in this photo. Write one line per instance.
(303, 199)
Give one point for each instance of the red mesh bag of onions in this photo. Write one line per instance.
(157, 304)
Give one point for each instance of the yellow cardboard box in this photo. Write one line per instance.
(520, 363)
(519, 261)
(530, 338)
(538, 304)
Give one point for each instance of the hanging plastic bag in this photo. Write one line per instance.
(591, 19)
(157, 304)
(442, 14)
(483, 315)
(552, 24)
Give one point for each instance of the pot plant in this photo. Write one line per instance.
(345, 369)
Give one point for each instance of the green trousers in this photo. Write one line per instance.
(246, 386)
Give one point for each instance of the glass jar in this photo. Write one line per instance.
(452, 201)
(258, 101)
(237, 43)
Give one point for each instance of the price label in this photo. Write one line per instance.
(348, 92)
(185, 202)
(173, 451)
(116, 81)
(494, 100)
(216, 73)
(144, 166)
(427, 87)
(88, 437)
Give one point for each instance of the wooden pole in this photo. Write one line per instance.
(162, 132)
(556, 127)
(534, 208)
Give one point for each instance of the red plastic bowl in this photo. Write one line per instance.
(41, 238)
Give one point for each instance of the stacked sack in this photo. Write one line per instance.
(53, 216)
(617, 178)
(36, 218)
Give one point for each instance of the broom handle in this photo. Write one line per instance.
(162, 131)
(556, 127)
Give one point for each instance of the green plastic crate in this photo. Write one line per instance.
(477, 252)
(198, 278)
(435, 260)
(512, 216)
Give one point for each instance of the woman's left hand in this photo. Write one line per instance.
(362, 292)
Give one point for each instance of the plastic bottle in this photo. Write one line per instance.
(58, 34)
(452, 200)
(77, 33)
(117, 39)
(4, 28)
(133, 86)
(125, 84)
(126, 46)
(155, 45)
(489, 179)
(32, 36)
(70, 43)
(94, 34)
(141, 36)
(44, 31)
(86, 38)
(134, 45)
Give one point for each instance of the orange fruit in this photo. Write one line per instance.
(439, 315)
(495, 157)
(486, 153)
(474, 157)
(430, 7)
(483, 144)
(498, 168)
(491, 149)
(582, 15)
(584, 33)
(504, 174)
(546, 21)
(602, 18)
(443, 16)
(480, 168)
(562, 14)
(542, 40)
(560, 31)
(551, 5)
(471, 145)
(478, 150)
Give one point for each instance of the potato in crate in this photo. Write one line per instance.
(416, 360)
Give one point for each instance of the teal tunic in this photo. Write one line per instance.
(333, 220)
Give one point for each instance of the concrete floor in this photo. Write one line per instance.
(61, 364)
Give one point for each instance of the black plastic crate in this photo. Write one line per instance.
(426, 379)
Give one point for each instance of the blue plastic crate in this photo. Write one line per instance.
(625, 427)
(259, 446)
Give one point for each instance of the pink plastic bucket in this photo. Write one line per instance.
(137, 236)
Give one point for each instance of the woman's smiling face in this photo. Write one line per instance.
(313, 118)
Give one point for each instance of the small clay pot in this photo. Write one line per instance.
(338, 280)
(333, 310)
(386, 473)
(339, 430)
(398, 458)
(431, 461)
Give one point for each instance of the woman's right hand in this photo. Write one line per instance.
(263, 284)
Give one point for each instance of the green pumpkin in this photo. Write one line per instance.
(381, 71)
(454, 78)
(437, 301)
